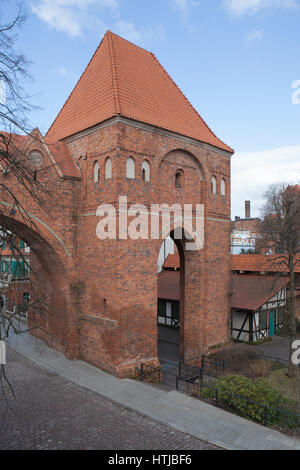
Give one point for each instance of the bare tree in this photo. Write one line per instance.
(281, 230)
(14, 109)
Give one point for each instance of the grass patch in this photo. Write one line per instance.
(288, 387)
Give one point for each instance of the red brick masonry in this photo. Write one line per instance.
(101, 296)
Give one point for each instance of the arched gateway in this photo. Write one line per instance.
(103, 292)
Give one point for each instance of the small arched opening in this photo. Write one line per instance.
(36, 158)
(108, 169)
(145, 171)
(96, 172)
(130, 168)
(223, 187)
(179, 179)
(214, 185)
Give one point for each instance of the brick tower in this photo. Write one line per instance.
(132, 132)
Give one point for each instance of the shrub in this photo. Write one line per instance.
(249, 397)
(209, 393)
(260, 368)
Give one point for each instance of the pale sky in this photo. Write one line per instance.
(236, 60)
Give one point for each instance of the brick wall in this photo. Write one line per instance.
(101, 296)
(119, 309)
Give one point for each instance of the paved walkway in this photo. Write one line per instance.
(178, 411)
(52, 413)
(278, 347)
(168, 344)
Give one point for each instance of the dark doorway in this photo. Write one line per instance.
(168, 303)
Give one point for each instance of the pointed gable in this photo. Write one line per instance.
(124, 79)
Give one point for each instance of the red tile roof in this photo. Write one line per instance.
(250, 292)
(58, 150)
(169, 285)
(63, 159)
(261, 263)
(124, 79)
(172, 262)
(13, 140)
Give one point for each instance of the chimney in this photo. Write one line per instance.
(247, 209)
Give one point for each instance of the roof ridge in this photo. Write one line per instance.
(114, 72)
(188, 101)
(130, 42)
(74, 88)
(109, 77)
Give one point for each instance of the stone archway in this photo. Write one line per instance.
(50, 288)
(190, 284)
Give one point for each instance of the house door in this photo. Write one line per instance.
(272, 323)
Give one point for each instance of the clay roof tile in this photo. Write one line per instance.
(124, 79)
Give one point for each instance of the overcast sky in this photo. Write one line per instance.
(236, 60)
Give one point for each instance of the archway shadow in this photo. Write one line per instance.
(48, 286)
(170, 337)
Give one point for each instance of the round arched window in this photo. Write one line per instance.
(223, 187)
(108, 169)
(179, 179)
(214, 185)
(36, 158)
(96, 172)
(130, 168)
(145, 171)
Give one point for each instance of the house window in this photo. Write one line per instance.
(108, 169)
(130, 168)
(26, 297)
(223, 187)
(145, 171)
(214, 185)
(96, 172)
(179, 180)
(4, 266)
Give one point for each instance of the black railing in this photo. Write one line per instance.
(150, 373)
(210, 364)
(255, 411)
(187, 371)
(196, 382)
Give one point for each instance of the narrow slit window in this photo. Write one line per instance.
(108, 169)
(179, 180)
(214, 185)
(130, 168)
(223, 187)
(96, 172)
(145, 171)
